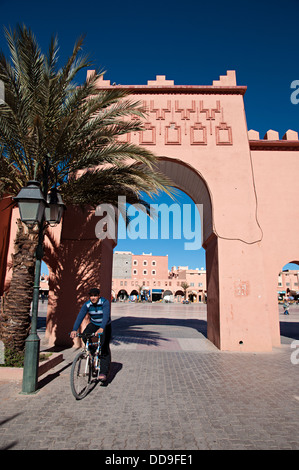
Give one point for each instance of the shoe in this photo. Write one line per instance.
(102, 377)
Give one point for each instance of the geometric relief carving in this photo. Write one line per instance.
(224, 134)
(148, 136)
(210, 112)
(160, 112)
(242, 288)
(185, 112)
(198, 134)
(173, 134)
(178, 118)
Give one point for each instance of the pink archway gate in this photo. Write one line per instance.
(200, 135)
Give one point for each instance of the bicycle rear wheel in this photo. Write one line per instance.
(81, 375)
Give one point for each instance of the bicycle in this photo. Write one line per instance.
(85, 367)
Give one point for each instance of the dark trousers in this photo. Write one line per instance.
(105, 338)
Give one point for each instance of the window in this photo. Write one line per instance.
(135, 271)
(144, 272)
(153, 263)
(153, 272)
(145, 263)
(135, 262)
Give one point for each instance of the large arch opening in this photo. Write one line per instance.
(190, 182)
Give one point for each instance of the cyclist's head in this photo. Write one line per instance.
(94, 292)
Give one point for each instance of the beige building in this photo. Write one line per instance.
(288, 283)
(147, 277)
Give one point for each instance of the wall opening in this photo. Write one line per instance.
(203, 260)
(288, 302)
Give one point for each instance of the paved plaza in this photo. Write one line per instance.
(169, 389)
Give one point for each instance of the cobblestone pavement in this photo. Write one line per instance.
(169, 388)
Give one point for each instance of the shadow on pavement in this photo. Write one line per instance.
(154, 329)
(115, 368)
(289, 329)
(13, 443)
(49, 377)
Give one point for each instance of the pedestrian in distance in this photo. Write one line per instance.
(286, 306)
(98, 310)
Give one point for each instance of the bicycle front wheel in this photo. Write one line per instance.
(81, 375)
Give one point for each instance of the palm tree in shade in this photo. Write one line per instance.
(68, 137)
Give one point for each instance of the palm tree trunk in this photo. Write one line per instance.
(15, 309)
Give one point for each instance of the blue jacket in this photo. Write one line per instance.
(99, 313)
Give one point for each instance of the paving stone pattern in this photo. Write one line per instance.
(184, 397)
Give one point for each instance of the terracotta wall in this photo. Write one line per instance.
(5, 224)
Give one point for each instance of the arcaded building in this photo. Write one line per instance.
(147, 277)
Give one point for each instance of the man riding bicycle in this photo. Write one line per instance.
(98, 309)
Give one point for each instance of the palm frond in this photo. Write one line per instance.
(46, 113)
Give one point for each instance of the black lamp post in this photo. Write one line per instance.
(35, 209)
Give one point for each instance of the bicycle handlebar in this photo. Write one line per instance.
(89, 335)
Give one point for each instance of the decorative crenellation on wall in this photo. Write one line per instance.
(273, 135)
(196, 120)
(228, 80)
(271, 140)
(189, 115)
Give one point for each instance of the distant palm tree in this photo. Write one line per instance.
(50, 126)
(185, 286)
(140, 288)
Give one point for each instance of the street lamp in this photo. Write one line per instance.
(35, 209)
(55, 207)
(31, 203)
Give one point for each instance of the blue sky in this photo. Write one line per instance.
(191, 42)
(179, 250)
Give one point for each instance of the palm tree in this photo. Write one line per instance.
(185, 286)
(50, 126)
(139, 293)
